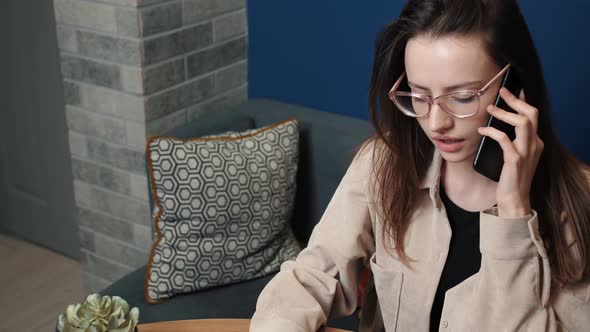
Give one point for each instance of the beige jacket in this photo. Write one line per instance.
(511, 292)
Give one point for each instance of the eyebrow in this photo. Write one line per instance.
(449, 88)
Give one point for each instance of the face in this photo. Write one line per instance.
(433, 65)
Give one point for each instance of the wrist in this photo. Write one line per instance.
(514, 211)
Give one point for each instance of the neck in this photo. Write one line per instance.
(466, 187)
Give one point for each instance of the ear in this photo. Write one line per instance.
(521, 96)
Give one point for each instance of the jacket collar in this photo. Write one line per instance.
(432, 178)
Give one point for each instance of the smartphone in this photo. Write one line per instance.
(489, 157)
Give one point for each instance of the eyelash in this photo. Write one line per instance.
(430, 95)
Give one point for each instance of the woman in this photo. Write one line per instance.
(449, 249)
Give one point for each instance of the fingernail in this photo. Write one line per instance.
(490, 107)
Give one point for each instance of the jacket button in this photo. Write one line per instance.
(445, 324)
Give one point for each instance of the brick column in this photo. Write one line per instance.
(131, 69)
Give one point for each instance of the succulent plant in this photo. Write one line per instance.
(99, 314)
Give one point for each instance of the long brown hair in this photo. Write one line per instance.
(560, 190)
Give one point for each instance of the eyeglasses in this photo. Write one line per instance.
(460, 104)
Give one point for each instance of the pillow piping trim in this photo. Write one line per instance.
(156, 199)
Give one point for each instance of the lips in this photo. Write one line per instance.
(450, 141)
(447, 138)
(449, 144)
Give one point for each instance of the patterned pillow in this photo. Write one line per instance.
(222, 208)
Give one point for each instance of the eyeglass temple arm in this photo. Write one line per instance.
(396, 85)
(494, 79)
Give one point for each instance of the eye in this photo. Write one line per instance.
(463, 99)
(417, 100)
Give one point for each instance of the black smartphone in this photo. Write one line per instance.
(489, 157)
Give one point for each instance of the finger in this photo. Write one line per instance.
(516, 120)
(515, 103)
(523, 127)
(521, 96)
(508, 149)
(520, 106)
(511, 99)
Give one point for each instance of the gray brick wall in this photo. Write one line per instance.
(132, 69)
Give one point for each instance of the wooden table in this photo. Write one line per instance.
(207, 325)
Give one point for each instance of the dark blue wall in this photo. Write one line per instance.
(319, 54)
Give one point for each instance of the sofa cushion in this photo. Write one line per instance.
(327, 145)
(223, 208)
(209, 123)
(230, 301)
(213, 123)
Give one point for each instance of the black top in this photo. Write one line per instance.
(464, 258)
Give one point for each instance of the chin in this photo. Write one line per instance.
(454, 158)
(457, 157)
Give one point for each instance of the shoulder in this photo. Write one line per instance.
(367, 147)
(367, 164)
(370, 150)
(569, 227)
(572, 301)
(579, 290)
(368, 157)
(572, 306)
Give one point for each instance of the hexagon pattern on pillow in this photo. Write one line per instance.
(223, 205)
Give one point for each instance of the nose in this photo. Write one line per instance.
(438, 119)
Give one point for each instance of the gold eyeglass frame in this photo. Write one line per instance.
(477, 93)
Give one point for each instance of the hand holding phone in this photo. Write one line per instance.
(489, 157)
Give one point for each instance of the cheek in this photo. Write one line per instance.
(479, 120)
(423, 124)
(489, 98)
(482, 118)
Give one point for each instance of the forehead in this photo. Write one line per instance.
(446, 60)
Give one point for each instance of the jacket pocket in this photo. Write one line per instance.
(388, 284)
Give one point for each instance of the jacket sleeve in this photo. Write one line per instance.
(512, 290)
(322, 282)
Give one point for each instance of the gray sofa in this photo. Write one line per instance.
(326, 149)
